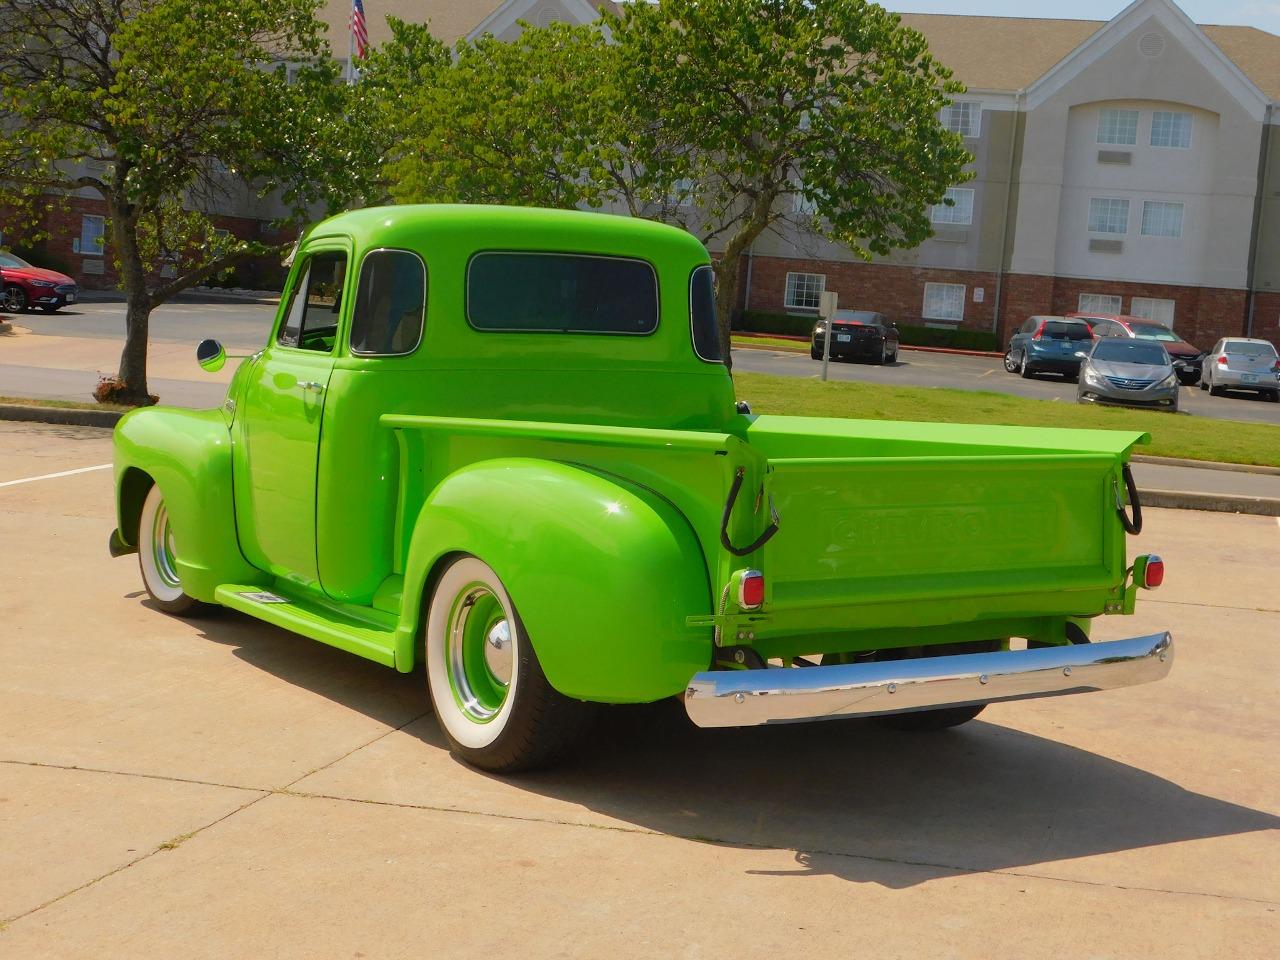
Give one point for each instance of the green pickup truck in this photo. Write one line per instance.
(501, 444)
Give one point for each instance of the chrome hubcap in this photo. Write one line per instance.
(162, 548)
(480, 654)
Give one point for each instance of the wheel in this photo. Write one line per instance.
(896, 350)
(814, 352)
(1274, 396)
(880, 358)
(15, 299)
(1025, 368)
(1204, 384)
(494, 703)
(157, 559)
(1010, 365)
(1214, 391)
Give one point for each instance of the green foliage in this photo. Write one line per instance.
(760, 321)
(168, 110)
(958, 339)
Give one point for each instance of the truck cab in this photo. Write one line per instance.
(502, 443)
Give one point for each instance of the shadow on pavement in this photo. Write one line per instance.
(851, 799)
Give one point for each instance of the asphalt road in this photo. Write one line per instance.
(222, 788)
(243, 327)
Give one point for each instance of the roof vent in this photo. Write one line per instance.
(547, 16)
(1151, 44)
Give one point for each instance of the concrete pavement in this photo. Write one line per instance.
(221, 788)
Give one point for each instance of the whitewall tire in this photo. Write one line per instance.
(491, 698)
(157, 558)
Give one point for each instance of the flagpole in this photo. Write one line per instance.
(351, 47)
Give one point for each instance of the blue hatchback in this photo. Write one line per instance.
(1049, 345)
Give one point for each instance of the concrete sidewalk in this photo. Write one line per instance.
(219, 788)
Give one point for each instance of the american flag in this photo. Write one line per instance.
(359, 33)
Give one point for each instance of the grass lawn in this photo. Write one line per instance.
(64, 404)
(773, 343)
(1172, 435)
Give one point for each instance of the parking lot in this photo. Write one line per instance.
(65, 352)
(221, 788)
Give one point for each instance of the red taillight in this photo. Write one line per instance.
(751, 589)
(1039, 330)
(1149, 572)
(1222, 361)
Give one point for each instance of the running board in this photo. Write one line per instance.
(357, 630)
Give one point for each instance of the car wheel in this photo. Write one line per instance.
(814, 352)
(1214, 391)
(1274, 396)
(883, 355)
(157, 559)
(1204, 384)
(1010, 365)
(15, 299)
(1025, 367)
(494, 704)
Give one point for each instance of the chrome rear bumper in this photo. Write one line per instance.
(742, 698)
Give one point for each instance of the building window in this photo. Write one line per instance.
(963, 117)
(1100, 303)
(1160, 311)
(1170, 129)
(960, 210)
(944, 301)
(681, 194)
(92, 231)
(1108, 215)
(1161, 219)
(804, 290)
(1118, 126)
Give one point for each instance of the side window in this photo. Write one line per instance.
(1030, 325)
(391, 302)
(315, 303)
(702, 315)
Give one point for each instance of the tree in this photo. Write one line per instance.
(820, 112)
(161, 108)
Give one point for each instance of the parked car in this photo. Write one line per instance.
(1187, 358)
(533, 475)
(1134, 373)
(1238, 363)
(857, 334)
(25, 286)
(1048, 345)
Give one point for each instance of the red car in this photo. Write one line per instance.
(25, 286)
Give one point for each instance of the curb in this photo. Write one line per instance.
(1211, 502)
(1205, 465)
(65, 416)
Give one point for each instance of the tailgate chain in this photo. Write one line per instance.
(1133, 526)
(761, 540)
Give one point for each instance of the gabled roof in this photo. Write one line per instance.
(1011, 53)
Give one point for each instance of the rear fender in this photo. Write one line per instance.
(188, 454)
(603, 572)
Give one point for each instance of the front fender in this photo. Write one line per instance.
(187, 453)
(603, 572)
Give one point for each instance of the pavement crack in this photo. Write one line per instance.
(1211, 606)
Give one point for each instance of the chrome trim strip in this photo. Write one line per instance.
(740, 698)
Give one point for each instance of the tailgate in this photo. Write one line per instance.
(971, 521)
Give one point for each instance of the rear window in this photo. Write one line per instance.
(1253, 350)
(561, 293)
(702, 316)
(1062, 330)
(1153, 331)
(1130, 351)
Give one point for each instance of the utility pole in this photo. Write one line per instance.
(827, 311)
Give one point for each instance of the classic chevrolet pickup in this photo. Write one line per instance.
(501, 444)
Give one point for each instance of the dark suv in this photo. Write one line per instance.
(1048, 345)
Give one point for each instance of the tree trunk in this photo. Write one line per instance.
(132, 386)
(728, 274)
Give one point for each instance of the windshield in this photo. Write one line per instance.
(1251, 350)
(1062, 330)
(9, 260)
(1130, 351)
(1153, 331)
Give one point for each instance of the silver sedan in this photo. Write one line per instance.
(1134, 373)
(1238, 363)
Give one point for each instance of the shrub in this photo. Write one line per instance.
(758, 321)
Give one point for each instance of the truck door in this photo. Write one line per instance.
(279, 421)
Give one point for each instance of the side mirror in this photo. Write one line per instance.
(210, 355)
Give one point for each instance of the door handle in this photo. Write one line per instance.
(313, 385)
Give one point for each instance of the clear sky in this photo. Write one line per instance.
(1264, 14)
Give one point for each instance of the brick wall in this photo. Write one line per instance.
(61, 226)
(1266, 317)
(897, 292)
